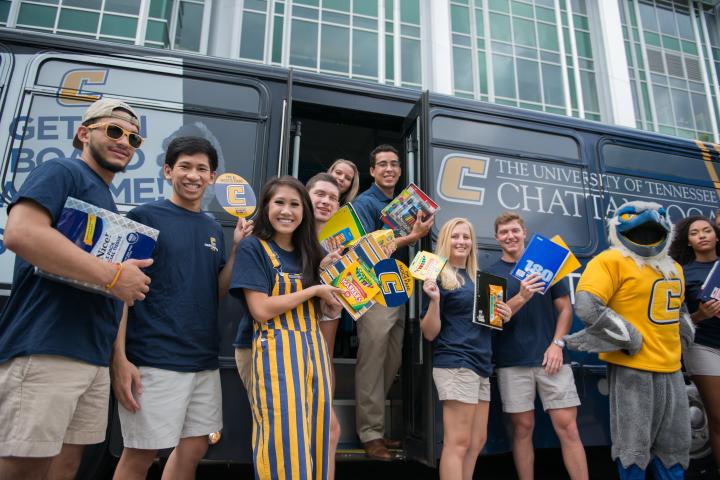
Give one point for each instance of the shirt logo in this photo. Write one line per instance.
(212, 245)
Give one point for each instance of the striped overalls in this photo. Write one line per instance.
(291, 389)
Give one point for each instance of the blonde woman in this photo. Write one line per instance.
(346, 175)
(462, 351)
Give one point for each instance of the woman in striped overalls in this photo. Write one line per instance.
(291, 396)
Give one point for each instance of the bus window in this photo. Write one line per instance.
(681, 183)
(5, 68)
(134, 80)
(503, 137)
(473, 180)
(50, 117)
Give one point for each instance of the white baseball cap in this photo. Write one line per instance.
(103, 108)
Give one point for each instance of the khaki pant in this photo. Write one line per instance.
(243, 360)
(380, 339)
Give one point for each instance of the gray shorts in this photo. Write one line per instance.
(173, 405)
(518, 385)
(702, 360)
(461, 384)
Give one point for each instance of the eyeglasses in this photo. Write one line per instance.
(388, 164)
(116, 132)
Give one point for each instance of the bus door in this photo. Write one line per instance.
(418, 388)
(330, 121)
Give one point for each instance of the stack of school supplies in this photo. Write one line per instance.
(489, 289)
(401, 213)
(353, 274)
(104, 234)
(550, 258)
(711, 286)
(427, 266)
(343, 228)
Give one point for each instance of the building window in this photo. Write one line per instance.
(513, 48)
(174, 24)
(252, 31)
(113, 20)
(189, 25)
(4, 11)
(665, 65)
(410, 43)
(338, 37)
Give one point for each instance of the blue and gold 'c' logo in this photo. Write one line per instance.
(455, 171)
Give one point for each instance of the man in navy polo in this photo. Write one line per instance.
(380, 330)
(55, 339)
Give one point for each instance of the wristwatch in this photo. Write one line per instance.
(559, 342)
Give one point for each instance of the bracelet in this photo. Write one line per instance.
(115, 279)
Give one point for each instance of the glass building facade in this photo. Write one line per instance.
(671, 49)
(557, 56)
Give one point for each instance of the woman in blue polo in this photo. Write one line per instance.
(462, 351)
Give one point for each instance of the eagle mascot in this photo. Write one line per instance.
(631, 299)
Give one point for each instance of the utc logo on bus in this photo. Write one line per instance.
(458, 175)
(72, 91)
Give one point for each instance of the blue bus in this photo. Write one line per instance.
(475, 159)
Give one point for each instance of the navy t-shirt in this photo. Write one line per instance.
(368, 206)
(175, 327)
(48, 317)
(524, 339)
(243, 337)
(254, 270)
(460, 343)
(707, 332)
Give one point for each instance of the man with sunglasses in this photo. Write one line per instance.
(56, 340)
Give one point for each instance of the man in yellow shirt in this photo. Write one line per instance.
(631, 299)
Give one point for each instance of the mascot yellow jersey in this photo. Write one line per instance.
(643, 297)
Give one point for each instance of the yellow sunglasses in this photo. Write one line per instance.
(116, 132)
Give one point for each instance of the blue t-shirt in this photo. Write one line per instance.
(368, 206)
(707, 332)
(243, 337)
(524, 339)
(460, 343)
(48, 317)
(254, 270)
(175, 327)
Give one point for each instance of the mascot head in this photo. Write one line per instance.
(643, 231)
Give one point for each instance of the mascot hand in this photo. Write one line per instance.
(687, 329)
(606, 331)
